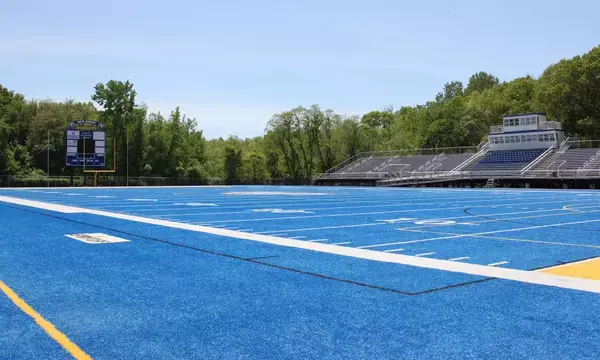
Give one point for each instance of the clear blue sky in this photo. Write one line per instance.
(232, 64)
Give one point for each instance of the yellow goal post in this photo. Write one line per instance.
(114, 169)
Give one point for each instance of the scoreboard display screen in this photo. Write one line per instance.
(86, 142)
(86, 147)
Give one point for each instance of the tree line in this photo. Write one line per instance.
(296, 143)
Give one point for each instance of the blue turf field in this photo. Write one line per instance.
(172, 293)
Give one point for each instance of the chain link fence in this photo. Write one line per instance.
(17, 181)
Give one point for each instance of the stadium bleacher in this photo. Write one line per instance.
(594, 162)
(572, 162)
(511, 156)
(397, 164)
(506, 159)
(525, 148)
(450, 162)
(571, 159)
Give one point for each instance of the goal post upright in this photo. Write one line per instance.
(112, 171)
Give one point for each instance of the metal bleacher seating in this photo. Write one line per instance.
(571, 159)
(506, 159)
(370, 166)
(450, 162)
(594, 162)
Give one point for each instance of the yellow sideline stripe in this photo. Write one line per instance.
(586, 269)
(54, 333)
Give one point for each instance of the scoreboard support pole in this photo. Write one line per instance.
(114, 169)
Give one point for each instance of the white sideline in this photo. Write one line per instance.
(422, 262)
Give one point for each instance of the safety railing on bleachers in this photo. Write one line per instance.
(563, 146)
(583, 144)
(445, 176)
(538, 160)
(593, 162)
(352, 176)
(482, 149)
(345, 163)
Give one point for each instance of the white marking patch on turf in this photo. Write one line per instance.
(275, 193)
(282, 211)
(425, 254)
(392, 221)
(459, 258)
(498, 263)
(194, 204)
(422, 262)
(97, 238)
(435, 222)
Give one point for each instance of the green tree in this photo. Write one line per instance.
(451, 89)
(137, 143)
(569, 91)
(233, 161)
(118, 101)
(272, 163)
(480, 82)
(255, 167)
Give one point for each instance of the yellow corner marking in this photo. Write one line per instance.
(54, 333)
(586, 269)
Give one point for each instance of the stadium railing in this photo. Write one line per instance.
(23, 181)
(583, 144)
(352, 176)
(429, 177)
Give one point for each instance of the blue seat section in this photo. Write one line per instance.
(507, 159)
(511, 156)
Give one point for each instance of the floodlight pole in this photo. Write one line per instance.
(127, 161)
(48, 160)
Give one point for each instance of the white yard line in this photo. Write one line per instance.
(509, 239)
(425, 254)
(415, 227)
(481, 234)
(393, 250)
(460, 258)
(423, 262)
(498, 263)
(274, 232)
(370, 213)
(376, 204)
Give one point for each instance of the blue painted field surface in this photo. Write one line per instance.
(173, 294)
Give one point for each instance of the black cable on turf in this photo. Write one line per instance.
(211, 252)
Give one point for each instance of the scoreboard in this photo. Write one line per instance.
(86, 144)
